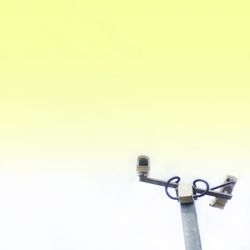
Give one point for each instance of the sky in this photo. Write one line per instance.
(87, 86)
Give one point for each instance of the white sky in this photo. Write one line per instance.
(73, 210)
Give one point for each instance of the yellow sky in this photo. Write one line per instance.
(110, 75)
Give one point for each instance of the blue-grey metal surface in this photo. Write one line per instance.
(190, 227)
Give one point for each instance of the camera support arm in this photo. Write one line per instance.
(210, 192)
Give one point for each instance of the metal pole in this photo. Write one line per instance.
(190, 227)
(186, 194)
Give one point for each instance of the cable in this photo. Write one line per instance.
(223, 185)
(203, 193)
(177, 178)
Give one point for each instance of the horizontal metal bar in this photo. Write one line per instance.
(174, 185)
(157, 182)
(215, 194)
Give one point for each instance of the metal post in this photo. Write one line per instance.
(186, 195)
(190, 227)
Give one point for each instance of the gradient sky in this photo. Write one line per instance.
(87, 86)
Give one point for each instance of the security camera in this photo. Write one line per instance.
(143, 165)
(227, 189)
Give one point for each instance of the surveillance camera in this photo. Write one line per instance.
(228, 189)
(143, 165)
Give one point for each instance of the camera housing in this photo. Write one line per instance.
(143, 165)
(228, 189)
